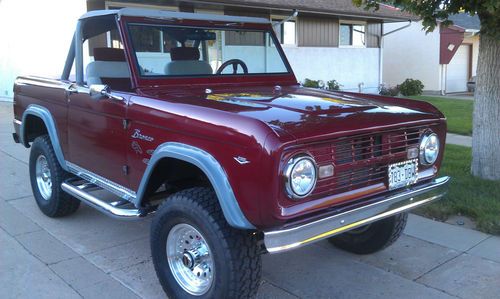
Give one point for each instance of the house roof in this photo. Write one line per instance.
(331, 7)
(466, 21)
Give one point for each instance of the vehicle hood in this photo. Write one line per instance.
(308, 113)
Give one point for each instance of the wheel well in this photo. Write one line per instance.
(34, 126)
(171, 175)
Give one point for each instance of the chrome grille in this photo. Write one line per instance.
(362, 160)
(361, 148)
(360, 177)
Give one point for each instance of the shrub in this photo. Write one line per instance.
(313, 83)
(333, 85)
(411, 87)
(389, 91)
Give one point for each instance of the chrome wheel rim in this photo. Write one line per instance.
(190, 259)
(43, 177)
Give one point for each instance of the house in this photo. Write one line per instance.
(328, 39)
(444, 60)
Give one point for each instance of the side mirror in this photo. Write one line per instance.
(98, 90)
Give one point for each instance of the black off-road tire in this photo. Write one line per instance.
(373, 237)
(236, 254)
(60, 203)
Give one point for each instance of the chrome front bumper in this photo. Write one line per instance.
(303, 234)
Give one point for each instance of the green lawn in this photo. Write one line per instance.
(473, 197)
(457, 112)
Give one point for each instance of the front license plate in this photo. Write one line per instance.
(402, 174)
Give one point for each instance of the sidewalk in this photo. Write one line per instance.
(88, 255)
(459, 139)
(467, 96)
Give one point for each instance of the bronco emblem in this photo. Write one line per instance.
(137, 135)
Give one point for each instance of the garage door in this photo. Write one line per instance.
(457, 73)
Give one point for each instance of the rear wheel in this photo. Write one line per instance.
(46, 176)
(372, 237)
(196, 254)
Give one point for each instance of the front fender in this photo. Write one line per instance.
(212, 169)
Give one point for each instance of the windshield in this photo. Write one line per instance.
(165, 50)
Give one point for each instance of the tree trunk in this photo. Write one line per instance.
(486, 117)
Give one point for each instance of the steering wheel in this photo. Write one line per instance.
(234, 63)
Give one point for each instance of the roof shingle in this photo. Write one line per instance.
(335, 7)
(466, 21)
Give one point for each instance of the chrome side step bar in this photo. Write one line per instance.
(113, 209)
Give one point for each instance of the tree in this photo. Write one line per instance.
(486, 117)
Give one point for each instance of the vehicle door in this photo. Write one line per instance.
(96, 134)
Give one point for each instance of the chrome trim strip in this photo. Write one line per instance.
(300, 235)
(41, 82)
(102, 206)
(17, 122)
(102, 182)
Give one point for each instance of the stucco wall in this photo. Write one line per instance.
(411, 53)
(35, 36)
(474, 40)
(349, 66)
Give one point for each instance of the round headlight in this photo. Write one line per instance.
(300, 176)
(429, 148)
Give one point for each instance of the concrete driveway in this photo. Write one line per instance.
(89, 255)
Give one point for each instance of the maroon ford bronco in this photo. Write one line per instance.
(198, 120)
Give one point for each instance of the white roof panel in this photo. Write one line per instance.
(98, 13)
(165, 14)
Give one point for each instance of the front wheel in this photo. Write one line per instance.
(372, 237)
(196, 254)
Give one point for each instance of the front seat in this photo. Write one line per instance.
(109, 67)
(186, 61)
